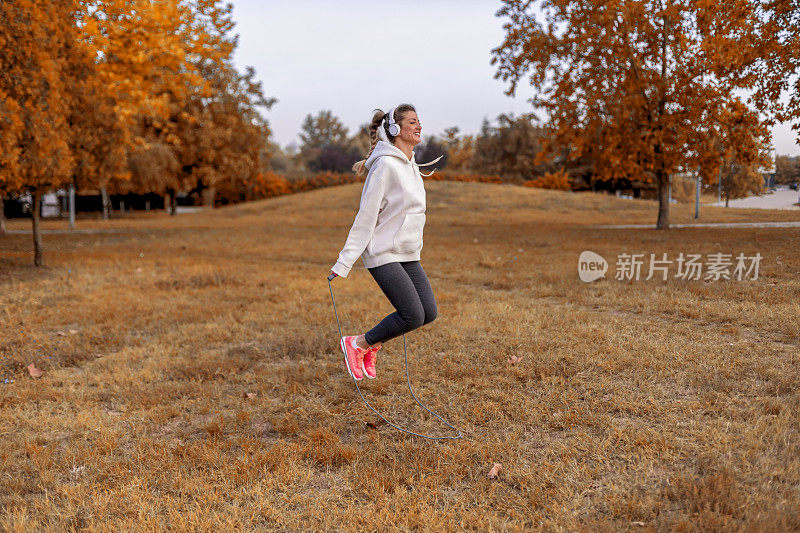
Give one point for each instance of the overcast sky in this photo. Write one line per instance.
(352, 56)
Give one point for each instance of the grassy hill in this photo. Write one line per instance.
(193, 378)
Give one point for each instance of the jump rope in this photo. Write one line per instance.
(408, 380)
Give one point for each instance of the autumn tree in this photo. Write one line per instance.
(154, 168)
(324, 128)
(10, 129)
(321, 137)
(459, 148)
(360, 140)
(226, 137)
(739, 180)
(36, 39)
(136, 73)
(640, 88)
(744, 151)
(222, 134)
(510, 148)
(787, 169)
(280, 161)
(762, 50)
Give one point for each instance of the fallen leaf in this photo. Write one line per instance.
(637, 523)
(250, 395)
(61, 334)
(376, 424)
(73, 331)
(98, 355)
(496, 468)
(514, 359)
(35, 372)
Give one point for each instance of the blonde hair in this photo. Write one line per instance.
(374, 137)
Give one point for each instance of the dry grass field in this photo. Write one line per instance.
(193, 381)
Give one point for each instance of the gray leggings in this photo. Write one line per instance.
(408, 290)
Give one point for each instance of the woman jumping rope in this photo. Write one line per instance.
(387, 235)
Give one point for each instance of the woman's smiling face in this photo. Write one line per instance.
(410, 128)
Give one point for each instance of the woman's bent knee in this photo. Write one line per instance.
(430, 318)
(430, 315)
(413, 320)
(418, 322)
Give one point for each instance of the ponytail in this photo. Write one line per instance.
(377, 118)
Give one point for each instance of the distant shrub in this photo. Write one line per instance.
(454, 176)
(558, 180)
(268, 184)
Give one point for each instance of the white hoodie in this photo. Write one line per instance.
(389, 222)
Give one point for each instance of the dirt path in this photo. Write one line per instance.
(706, 225)
(780, 199)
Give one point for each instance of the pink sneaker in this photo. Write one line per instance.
(353, 357)
(368, 362)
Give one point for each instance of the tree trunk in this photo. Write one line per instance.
(2, 215)
(106, 202)
(37, 236)
(72, 204)
(209, 195)
(663, 200)
(173, 202)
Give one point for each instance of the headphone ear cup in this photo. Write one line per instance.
(394, 130)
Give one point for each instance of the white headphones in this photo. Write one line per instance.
(394, 129)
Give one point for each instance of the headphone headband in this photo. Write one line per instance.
(394, 129)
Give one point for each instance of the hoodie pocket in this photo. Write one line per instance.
(409, 237)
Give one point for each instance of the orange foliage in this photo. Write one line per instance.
(551, 180)
(268, 184)
(34, 95)
(448, 176)
(323, 179)
(641, 88)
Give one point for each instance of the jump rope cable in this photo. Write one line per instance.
(408, 378)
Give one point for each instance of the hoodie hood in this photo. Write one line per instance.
(387, 149)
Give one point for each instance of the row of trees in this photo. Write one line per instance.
(142, 96)
(124, 96)
(509, 147)
(635, 91)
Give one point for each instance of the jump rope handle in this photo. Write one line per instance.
(333, 275)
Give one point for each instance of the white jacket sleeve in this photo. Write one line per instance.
(364, 224)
